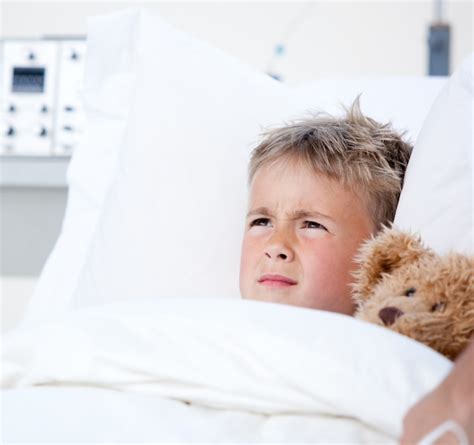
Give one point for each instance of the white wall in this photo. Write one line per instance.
(323, 38)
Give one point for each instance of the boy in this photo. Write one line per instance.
(318, 188)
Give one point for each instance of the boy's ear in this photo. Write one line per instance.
(384, 253)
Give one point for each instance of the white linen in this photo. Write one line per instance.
(437, 198)
(261, 358)
(175, 213)
(403, 101)
(88, 414)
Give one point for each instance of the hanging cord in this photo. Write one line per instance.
(291, 28)
(438, 8)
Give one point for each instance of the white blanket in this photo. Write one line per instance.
(239, 356)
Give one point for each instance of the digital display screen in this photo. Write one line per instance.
(28, 80)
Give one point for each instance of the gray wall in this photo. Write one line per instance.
(30, 221)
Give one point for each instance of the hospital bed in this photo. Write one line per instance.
(131, 336)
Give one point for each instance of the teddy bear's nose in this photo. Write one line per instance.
(389, 314)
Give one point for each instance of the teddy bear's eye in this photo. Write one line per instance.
(438, 307)
(410, 292)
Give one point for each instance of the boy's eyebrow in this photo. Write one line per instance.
(296, 214)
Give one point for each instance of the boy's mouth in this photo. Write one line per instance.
(273, 280)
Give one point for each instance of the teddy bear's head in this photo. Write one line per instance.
(407, 287)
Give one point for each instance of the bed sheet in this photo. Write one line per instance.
(213, 370)
(86, 414)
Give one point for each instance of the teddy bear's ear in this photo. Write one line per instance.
(384, 253)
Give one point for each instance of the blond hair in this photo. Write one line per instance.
(366, 156)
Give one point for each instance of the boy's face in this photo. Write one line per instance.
(313, 251)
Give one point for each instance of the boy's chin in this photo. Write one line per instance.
(283, 296)
(280, 296)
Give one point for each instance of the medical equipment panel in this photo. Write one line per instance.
(41, 108)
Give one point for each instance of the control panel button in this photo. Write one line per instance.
(41, 108)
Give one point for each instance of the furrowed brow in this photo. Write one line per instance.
(296, 214)
(303, 213)
(259, 211)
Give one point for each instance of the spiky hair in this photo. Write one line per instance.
(364, 155)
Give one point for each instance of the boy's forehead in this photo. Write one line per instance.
(296, 190)
(276, 179)
(271, 193)
(277, 171)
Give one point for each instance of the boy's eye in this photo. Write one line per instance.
(259, 222)
(314, 225)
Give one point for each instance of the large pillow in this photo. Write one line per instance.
(173, 221)
(403, 101)
(436, 200)
(107, 87)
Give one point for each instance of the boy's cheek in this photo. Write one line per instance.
(249, 251)
(246, 267)
(327, 268)
(320, 257)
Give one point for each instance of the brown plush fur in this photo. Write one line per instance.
(410, 289)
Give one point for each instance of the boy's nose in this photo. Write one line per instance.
(282, 255)
(279, 250)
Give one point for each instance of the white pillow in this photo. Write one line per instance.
(436, 200)
(196, 115)
(403, 101)
(173, 220)
(108, 82)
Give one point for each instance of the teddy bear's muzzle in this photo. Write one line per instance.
(389, 314)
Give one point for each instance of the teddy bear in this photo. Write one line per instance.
(407, 287)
